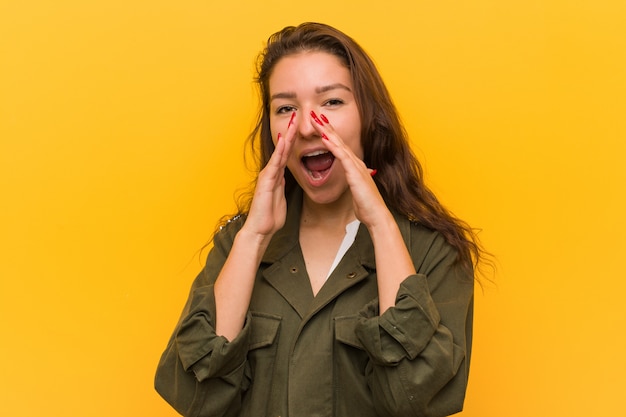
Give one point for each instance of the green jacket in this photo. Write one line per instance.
(332, 354)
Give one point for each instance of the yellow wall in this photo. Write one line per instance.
(121, 130)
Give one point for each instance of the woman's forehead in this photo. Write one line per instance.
(311, 69)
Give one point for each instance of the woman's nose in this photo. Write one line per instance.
(305, 128)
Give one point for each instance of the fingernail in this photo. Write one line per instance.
(324, 118)
(293, 115)
(314, 116)
(373, 172)
(278, 137)
(324, 136)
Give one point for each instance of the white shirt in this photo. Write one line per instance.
(348, 240)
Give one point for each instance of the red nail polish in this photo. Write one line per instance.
(278, 137)
(324, 118)
(314, 116)
(324, 136)
(293, 115)
(373, 172)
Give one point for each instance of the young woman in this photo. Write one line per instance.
(343, 287)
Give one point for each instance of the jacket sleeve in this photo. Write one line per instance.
(200, 373)
(420, 349)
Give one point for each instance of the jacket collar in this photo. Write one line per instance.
(288, 237)
(283, 254)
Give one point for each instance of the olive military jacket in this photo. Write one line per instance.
(332, 354)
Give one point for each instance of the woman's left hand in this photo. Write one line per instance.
(369, 206)
(371, 210)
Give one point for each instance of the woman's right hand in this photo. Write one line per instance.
(235, 282)
(269, 206)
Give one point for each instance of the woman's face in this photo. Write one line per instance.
(315, 81)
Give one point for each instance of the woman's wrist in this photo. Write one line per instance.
(383, 226)
(252, 241)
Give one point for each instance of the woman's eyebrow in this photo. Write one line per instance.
(289, 95)
(318, 90)
(323, 89)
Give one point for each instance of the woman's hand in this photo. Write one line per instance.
(235, 282)
(369, 206)
(371, 210)
(269, 206)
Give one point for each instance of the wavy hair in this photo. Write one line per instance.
(385, 143)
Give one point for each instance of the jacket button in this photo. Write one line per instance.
(351, 275)
(293, 269)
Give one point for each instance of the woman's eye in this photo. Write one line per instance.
(285, 109)
(333, 102)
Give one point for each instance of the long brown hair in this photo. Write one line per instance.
(399, 177)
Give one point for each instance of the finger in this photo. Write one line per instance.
(289, 138)
(335, 144)
(284, 144)
(277, 155)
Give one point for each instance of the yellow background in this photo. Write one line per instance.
(121, 128)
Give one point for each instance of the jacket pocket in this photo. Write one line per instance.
(263, 330)
(345, 331)
(262, 345)
(260, 364)
(351, 365)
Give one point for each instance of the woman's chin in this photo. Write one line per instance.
(316, 179)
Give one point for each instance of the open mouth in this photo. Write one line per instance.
(318, 163)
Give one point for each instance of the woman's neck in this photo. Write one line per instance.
(338, 213)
